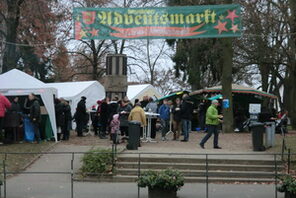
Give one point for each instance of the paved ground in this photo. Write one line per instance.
(58, 186)
(58, 189)
(230, 142)
(234, 143)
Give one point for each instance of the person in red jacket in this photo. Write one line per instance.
(4, 104)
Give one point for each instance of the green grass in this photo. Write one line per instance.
(16, 162)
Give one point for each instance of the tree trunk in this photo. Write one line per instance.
(264, 72)
(95, 60)
(292, 65)
(227, 80)
(12, 22)
(227, 84)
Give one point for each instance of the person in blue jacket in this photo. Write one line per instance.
(164, 114)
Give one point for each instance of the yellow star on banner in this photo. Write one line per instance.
(221, 17)
(82, 34)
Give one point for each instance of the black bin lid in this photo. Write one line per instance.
(256, 124)
(134, 122)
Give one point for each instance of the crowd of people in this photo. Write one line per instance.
(12, 115)
(112, 118)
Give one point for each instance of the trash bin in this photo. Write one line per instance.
(134, 130)
(257, 129)
(269, 134)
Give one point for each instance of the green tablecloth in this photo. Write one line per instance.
(45, 128)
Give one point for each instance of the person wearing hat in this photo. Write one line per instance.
(212, 122)
(80, 116)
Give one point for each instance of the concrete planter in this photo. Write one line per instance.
(161, 193)
(290, 195)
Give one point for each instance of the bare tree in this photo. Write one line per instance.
(149, 57)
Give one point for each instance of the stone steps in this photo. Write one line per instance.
(125, 178)
(197, 166)
(202, 173)
(227, 169)
(180, 159)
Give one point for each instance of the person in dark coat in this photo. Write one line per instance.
(145, 101)
(186, 116)
(177, 118)
(96, 119)
(15, 106)
(60, 117)
(67, 121)
(80, 116)
(35, 115)
(124, 110)
(104, 118)
(12, 120)
(113, 108)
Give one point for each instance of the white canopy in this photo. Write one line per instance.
(18, 83)
(73, 91)
(138, 91)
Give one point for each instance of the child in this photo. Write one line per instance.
(115, 132)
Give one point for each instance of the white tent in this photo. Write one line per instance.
(138, 91)
(73, 91)
(18, 83)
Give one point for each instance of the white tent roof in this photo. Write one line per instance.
(73, 91)
(136, 91)
(16, 79)
(70, 89)
(17, 83)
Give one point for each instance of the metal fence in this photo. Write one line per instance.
(277, 158)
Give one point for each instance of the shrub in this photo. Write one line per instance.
(168, 179)
(288, 184)
(97, 161)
